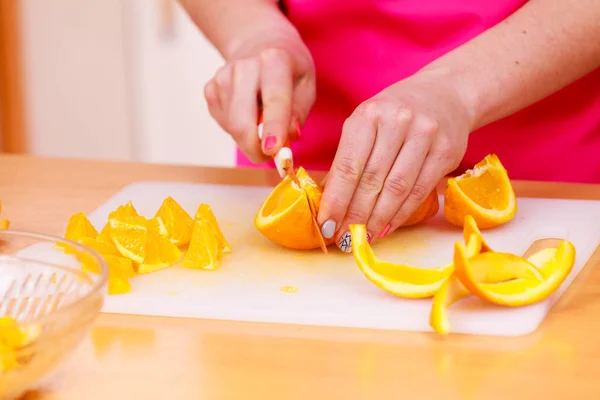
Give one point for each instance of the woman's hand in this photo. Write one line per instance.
(393, 151)
(280, 74)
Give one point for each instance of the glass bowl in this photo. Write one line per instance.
(48, 302)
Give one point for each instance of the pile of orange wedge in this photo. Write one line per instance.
(132, 244)
(482, 197)
(13, 337)
(4, 223)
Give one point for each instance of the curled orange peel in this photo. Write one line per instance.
(397, 279)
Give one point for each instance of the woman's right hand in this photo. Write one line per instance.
(278, 76)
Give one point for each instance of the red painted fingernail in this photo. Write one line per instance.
(385, 231)
(270, 142)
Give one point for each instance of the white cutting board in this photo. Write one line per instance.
(331, 290)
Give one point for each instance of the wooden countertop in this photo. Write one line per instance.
(129, 357)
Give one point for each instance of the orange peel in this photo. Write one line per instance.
(484, 192)
(397, 279)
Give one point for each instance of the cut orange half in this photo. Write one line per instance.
(288, 215)
(397, 279)
(485, 192)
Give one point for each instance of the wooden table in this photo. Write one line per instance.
(130, 357)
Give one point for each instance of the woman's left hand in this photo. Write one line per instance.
(394, 150)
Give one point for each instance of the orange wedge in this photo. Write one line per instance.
(118, 269)
(125, 210)
(428, 209)
(130, 234)
(288, 215)
(397, 279)
(160, 254)
(485, 192)
(206, 214)
(176, 220)
(79, 227)
(205, 250)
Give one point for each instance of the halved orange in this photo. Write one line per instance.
(485, 192)
(288, 215)
(397, 279)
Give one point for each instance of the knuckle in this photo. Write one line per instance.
(371, 181)
(356, 215)
(370, 109)
(396, 185)
(348, 169)
(428, 127)
(419, 193)
(274, 55)
(402, 115)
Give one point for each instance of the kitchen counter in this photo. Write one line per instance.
(131, 357)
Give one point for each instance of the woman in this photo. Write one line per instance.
(389, 93)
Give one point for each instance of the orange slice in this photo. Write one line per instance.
(485, 192)
(397, 279)
(4, 223)
(205, 250)
(160, 254)
(125, 210)
(118, 270)
(206, 214)
(102, 248)
(79, 227)
(287, 216)
(130, 234)
(428, 209)
(176, 220)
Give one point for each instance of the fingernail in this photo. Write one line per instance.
(369, 237)
(328, 229)
(385, 231)
(270, 142)
(345, 243)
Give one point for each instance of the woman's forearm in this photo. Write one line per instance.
(229, 24)
(542, 47)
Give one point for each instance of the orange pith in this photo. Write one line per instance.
(485, 193)
(287, 216)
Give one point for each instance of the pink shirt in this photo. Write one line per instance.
(362, 46)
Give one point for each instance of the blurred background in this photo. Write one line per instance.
(107, 79)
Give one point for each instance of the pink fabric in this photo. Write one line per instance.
(362, 46)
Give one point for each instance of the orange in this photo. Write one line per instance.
(4, 223)
(205, 213)
(176, 220)
(125, 210)
(130, 234)
(102, 248)
(428, 209)
(79, 227)
(160, 254)
(485, 192)
(397, 279)
(118, 269)
(288, 215)
(205, 250)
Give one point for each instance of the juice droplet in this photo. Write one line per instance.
(289, 289)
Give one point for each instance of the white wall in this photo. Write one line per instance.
(168, 73)
(103, 80)
(76, 98)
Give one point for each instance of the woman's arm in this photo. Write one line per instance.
(542, 47)
(230, 24)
